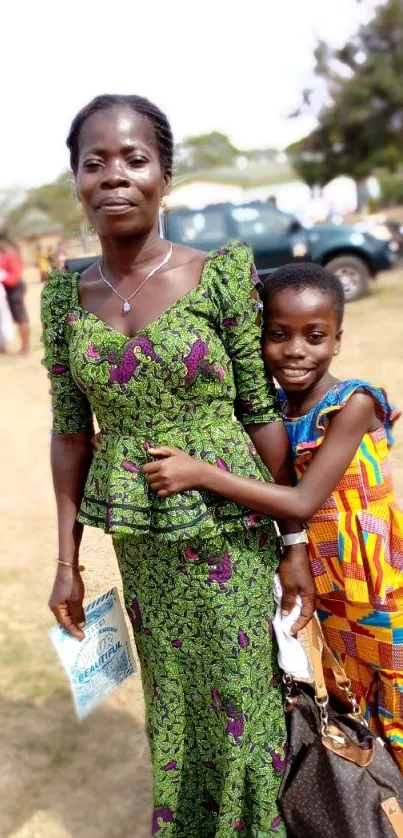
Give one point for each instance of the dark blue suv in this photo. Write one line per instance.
(276, 239)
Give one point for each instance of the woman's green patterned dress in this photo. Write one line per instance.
(197, 569)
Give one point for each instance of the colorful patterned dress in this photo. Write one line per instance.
(356, 551)
(197, 570)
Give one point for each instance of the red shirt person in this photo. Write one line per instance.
(15, 288)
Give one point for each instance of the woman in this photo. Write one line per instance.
(158, 342)
(15, 288)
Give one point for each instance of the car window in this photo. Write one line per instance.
(259, 221)
(203, 227)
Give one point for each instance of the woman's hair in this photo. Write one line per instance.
(162, 128)
(297, 277)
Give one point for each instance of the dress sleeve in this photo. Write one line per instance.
(239, 320)
(71, 409)
(387, 413)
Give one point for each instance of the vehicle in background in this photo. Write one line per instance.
(277, 239)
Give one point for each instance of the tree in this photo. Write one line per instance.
(57, 200)
(205, 152)
(361, 126)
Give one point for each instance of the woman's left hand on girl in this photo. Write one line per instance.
(173, 472)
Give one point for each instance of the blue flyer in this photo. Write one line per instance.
(100, 662)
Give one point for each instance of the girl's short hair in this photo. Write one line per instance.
(298, 276)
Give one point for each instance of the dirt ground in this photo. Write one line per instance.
(59, 778)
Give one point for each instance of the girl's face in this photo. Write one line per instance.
(119, 178)
(301, 336)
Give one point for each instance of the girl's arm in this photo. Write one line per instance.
(180, 472)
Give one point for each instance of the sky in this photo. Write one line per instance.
(236, 67)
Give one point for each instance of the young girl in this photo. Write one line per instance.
(340, 433)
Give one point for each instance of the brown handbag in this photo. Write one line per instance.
(340, 781)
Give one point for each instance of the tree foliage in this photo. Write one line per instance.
(204, 152)
(361, 126)
(57, 200)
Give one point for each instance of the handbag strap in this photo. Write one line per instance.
(316, 650)
(320, 653)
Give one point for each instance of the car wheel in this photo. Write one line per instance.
(353, 274)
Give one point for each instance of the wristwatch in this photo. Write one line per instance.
(289, 539)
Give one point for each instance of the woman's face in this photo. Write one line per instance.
(119, 179)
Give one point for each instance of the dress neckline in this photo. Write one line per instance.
(313, 408)
(77, 305)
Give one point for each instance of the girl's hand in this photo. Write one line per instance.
(174, 472)
(66, 600)
(296, 579)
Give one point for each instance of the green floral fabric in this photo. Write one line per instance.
(175, 383)
(201, 615)
(197, 570)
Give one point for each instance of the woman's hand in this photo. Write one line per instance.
(296, 580)
(66, 600)
(174, 472)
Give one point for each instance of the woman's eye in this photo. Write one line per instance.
(137, 161)
(91, 165)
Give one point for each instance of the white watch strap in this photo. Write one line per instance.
(292, 538)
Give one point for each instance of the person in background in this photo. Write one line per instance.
(42, 263)
(340, 433)
(15, 288)
(53, 259)
(61, 258)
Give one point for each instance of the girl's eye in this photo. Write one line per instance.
(276, 336)
(316, 337)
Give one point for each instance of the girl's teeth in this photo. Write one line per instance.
(295, 373)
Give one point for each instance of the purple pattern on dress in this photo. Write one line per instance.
(194, 360)
(59, 369)
(220, 463)
(92, 351)
(170, 766)
(276, 823)
(72, 317)
(239, 826)
(129, 362)
(278, 762)
(176, 644)
(163, 814)
(243, 639)
(236, 727)
(222, 572)
(128, 466)
(190, 554)
(229, 322)
(254, 517)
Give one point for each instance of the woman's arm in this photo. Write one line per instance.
(71, 451)
(71, 456)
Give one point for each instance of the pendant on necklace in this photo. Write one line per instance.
(126, 307)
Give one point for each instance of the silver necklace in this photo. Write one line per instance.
(126, 301)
